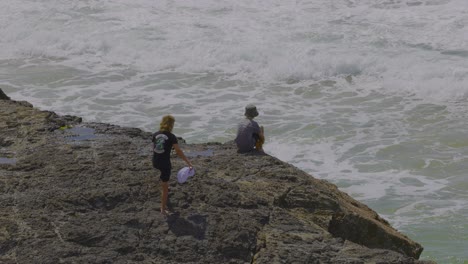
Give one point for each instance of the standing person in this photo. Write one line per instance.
(163, 142)
(250, 135)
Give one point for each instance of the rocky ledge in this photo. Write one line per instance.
(75, 192)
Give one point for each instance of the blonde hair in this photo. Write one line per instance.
(167, 123)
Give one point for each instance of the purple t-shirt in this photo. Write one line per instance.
(248, 132)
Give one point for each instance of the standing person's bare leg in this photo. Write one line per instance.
(165, 190)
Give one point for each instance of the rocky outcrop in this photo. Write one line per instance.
(3, 96)
(74, 192)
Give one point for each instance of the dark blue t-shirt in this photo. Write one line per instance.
(162, 146)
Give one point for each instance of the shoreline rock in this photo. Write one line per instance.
(3, 96)
(77, 192)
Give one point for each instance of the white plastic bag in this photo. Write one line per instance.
(184, 174)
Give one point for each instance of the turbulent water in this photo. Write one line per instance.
(370, 94)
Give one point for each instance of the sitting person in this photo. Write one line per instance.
(250, 135)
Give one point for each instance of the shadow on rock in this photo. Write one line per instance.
(194, 225)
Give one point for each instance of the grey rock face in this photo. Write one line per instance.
(74, 192)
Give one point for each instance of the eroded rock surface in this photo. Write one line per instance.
(74, 192)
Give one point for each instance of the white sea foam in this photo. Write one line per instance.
(419, 44)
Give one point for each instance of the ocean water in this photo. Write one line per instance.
(370, 94)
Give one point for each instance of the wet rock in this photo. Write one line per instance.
(3, 96)
(86, 193)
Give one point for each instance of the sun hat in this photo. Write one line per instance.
(251, 111)
(184, 174)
